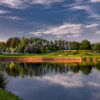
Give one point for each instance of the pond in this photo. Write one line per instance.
(53, 81)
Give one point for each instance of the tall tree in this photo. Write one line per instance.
(22, 41)
(2, 44)
(74, 45)
(85, 45)
(96, 47)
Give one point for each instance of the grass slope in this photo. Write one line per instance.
(4, 95)
(69, 53)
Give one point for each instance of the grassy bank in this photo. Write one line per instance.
(70, 53)
(4, 95)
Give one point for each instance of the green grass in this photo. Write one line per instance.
(69, 53)
(4, 95)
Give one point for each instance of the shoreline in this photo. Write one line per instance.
(42, 59)
(48, 59)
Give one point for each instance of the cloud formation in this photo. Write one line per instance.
(19, 4)
(94, 1)
(71, 80)
(4, 12)
(67, 30)
(43, 2)
(89, 10)
(11, 17)
(97, 32)
(92, 25)
(73, 29)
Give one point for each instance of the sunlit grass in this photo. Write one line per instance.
(74, 53)
(4, 95)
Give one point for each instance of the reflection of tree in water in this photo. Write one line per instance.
(3, 80)
(97, 66)
(40, 69)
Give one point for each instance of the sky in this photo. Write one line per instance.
(72, 20)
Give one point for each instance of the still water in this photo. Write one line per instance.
(53, 81)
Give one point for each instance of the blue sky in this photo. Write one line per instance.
(50, 19)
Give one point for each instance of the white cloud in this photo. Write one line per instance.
(35, 33)
(94, 1)
(64, 29)
(94, 84)
(89, 10)
(69, 30)
(92, 25)
(97, 32)
(13, 17)
(80, 7)
(4, 12)
(71, 80)
(2, 40)
(24, 3)
(45, 1)
(76, 35)
(12, 3)
(69, 36)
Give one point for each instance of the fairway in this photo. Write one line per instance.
(68, 53)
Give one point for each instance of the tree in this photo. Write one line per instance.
(13, 43)
(74, 45)
(2, 44)
(27, 49)
(20, 49)
(85, 45)
(22, 41)
(8, 50)
(47, 48)
(96, 47)
(34, 49)
(42, 48)
(0, 50)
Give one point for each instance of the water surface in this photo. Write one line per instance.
(53, 81)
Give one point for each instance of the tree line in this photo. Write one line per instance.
(38, 45)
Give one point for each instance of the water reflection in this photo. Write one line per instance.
(54, 81)
(40, 69)
(3, 80)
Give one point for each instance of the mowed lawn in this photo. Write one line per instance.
(4, 95)
(69, 53)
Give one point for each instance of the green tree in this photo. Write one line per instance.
(22, 41)
(27, 49)
(8, 50)
(42, 49)
(96, 47)
(85, 45)
(20, 49)
(74, 45)
(13, 41)
(34, 49)
(2, 44)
